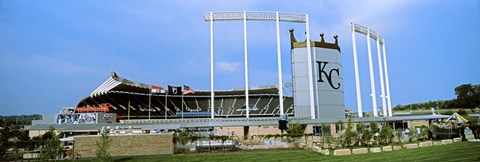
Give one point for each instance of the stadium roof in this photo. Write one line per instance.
(117, 84)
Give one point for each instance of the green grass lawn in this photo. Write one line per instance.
(463, 151)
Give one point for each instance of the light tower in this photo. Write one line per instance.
(382, 68)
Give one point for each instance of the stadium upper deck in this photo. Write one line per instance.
(122, 93)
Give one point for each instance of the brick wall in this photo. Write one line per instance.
(126, 145)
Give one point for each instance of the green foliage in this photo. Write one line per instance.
(412, 136)
(348, 135)
(295, 130)
(181, 138)
(398, 135)
(18, 120)
(462, 112)
(468, 96)
(363, 134)
(51, 146)
(386, 134)
(339, 126)
(472, 121)
(103, 146)
(374, 130)
(325, 129)
(423, 133)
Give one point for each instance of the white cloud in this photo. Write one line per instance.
(228, 66)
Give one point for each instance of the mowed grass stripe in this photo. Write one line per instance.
(463, 151)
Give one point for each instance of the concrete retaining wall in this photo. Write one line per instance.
(447, 141)
(397, 148)
(375, 149)
(457, 139)
(387, 148)
(411, 146)
(341, 152)
(425, 144)
(359, 151)
(126, 145)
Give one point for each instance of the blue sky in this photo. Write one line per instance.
(54, 53)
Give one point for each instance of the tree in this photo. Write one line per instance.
(468, 96)
(338, 130)
(361, 128)
(412, 136)
(398, 135)
(104, 145)
(463, 90)
(367, 134)
(374, 130)
(51, 146)
(182, 137)
(348, 134)
(423, 133)
(325, 128)
(295, 131)
(386, 134)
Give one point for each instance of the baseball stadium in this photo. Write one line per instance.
(313, 99)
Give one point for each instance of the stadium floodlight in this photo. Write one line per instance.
(260, 16)
(371, 34)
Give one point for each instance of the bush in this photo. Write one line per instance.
(398, 135)
(51, 146)
(412, 136)
(386, 134)
(423, 133)
(103, 146)
(348, 134)
(375, 131)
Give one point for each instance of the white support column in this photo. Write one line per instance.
(211, 66)
(380, 71)
(372, 81)
(279, 64)
(315, 85)
(246, 61)
(310, 77)
(386, 80)
(357, 75)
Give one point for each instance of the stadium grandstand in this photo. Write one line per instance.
(132, 99)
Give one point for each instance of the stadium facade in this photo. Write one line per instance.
(124, 105)
(129, 108)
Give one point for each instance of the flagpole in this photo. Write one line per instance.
(166, 102)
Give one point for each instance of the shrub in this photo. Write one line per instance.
(348, 134)
(52, 145)
(398, 135)
(375, 131)
(103, 146)
(386, 134)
